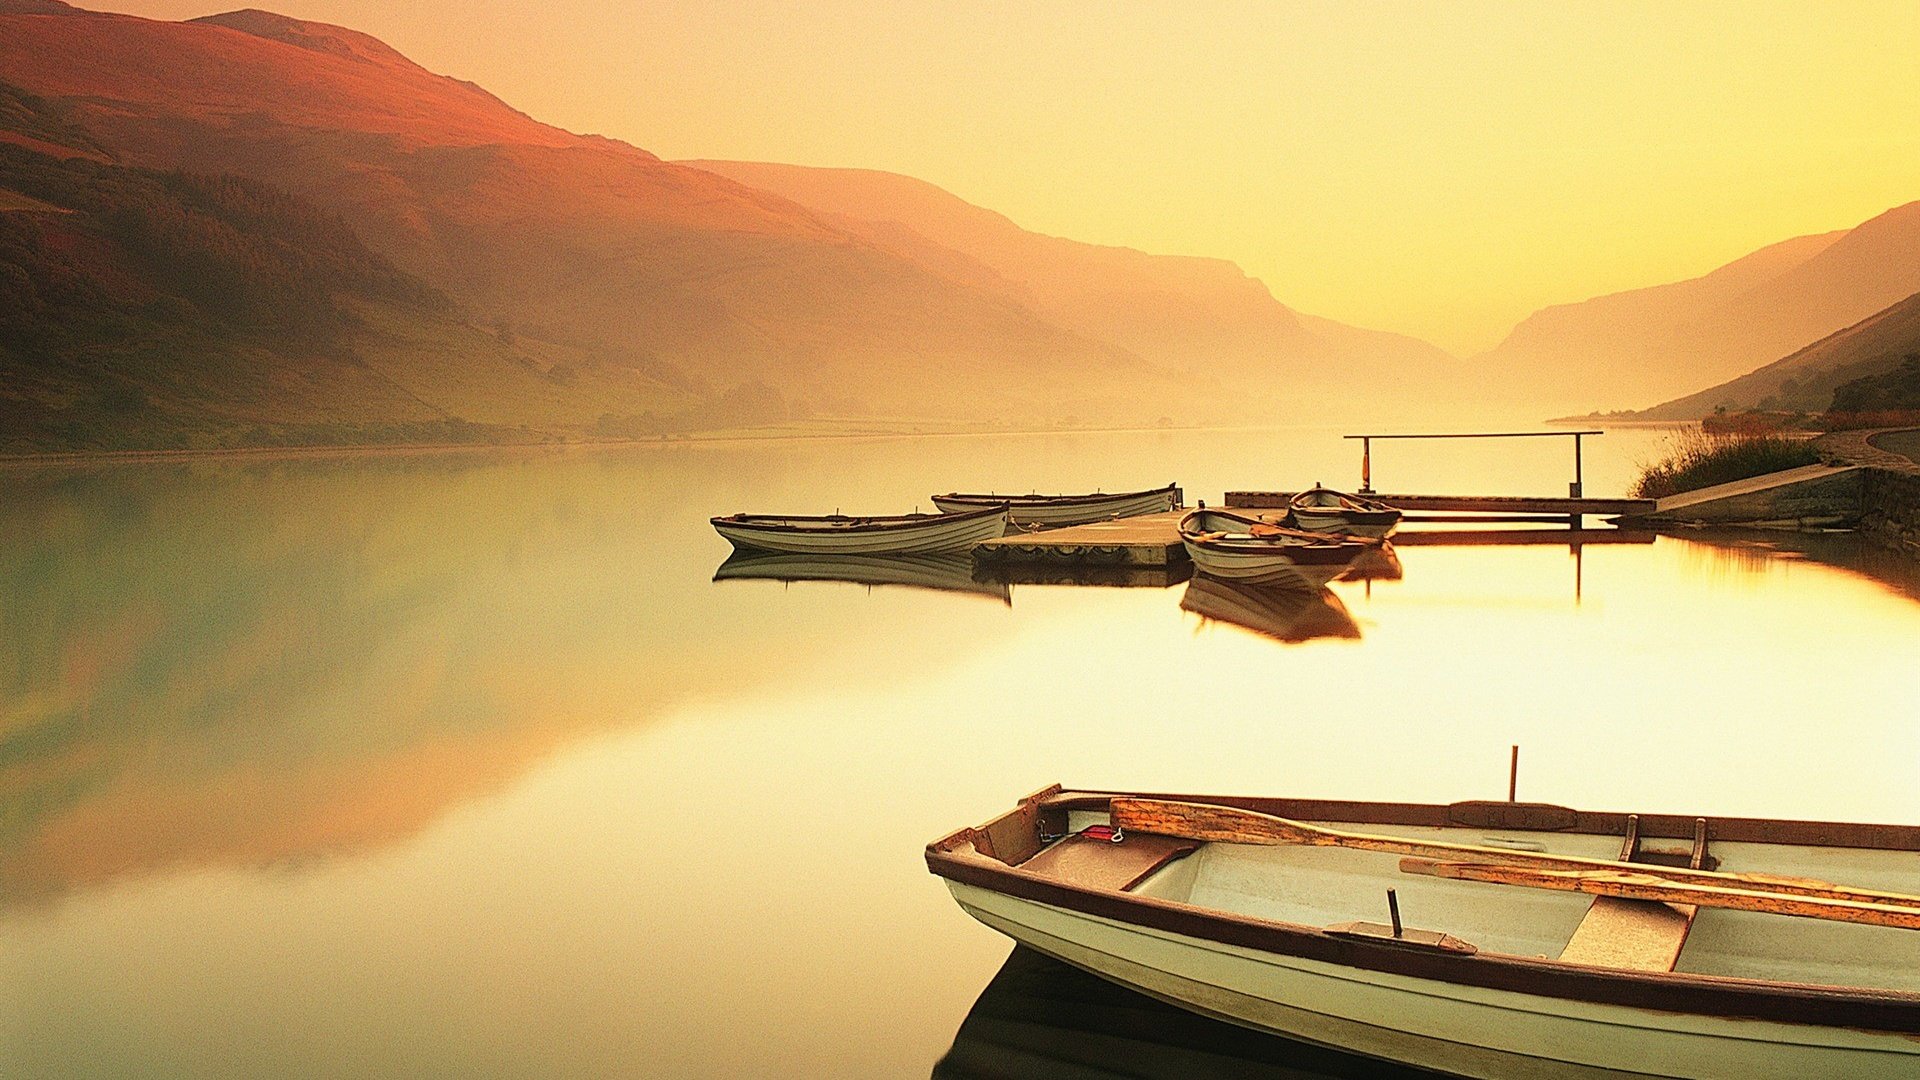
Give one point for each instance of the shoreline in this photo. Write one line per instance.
(718, 438)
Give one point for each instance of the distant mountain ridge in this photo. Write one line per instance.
(1200, 317)
(598, 259)
(641, 269)
(1668, 340)
(1804, 380)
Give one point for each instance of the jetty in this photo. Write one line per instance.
(1152, 541)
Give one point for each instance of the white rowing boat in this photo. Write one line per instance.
(841, 535)
(1236, 547)
(1055, 511)
(1322, 509)
(1525, 940)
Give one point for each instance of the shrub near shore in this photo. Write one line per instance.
(1696, 459)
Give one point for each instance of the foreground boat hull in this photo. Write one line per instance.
(1446, 1027)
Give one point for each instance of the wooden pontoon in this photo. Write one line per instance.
(838, 534)
(1518, 939)
(1054, 511)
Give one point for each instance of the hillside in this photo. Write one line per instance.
(1805, 380)
(640, 268)
(1660, 342)
(142, 309)
(1204, 318)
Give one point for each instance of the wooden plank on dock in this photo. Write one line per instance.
(1147, 540)
(1545, 506)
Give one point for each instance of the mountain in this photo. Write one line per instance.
(1660, 342)
(1804, 381)
(145, 309)
(640, 271)
(1203, 318)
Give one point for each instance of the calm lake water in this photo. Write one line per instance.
(464, 765)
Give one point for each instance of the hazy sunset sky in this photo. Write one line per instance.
(1439, 169)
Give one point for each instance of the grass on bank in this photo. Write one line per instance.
(1696, 459)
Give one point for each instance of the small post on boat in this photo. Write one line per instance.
(1393, 911)
(1366, 465)
(1513, 776)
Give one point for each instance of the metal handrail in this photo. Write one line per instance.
(1574, 490)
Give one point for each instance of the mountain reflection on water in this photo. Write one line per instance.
(1040, 1019)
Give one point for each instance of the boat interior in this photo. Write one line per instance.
(1070, 838)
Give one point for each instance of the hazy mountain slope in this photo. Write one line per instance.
(1624, 347)
(1203, 317)
(578, 239)
(143, 309)
(1805, 380)
(1652, 343)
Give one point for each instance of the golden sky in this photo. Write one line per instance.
(1439, 169)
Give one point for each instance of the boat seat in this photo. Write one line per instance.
(1096, 863)
(1640, 935)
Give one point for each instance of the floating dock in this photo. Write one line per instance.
(1150, 540)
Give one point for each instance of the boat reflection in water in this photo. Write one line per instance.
(1291, 611)
(1375, 564)
(1040, 1019)
(944, 572)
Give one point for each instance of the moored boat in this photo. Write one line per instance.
(1322, 509)
(1054, 511)
(1519, 939)
(842, 535)
(1236, 547)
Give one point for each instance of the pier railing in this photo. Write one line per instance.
(1366, 450)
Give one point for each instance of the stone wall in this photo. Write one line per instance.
(1890, 499)
(1889, 488)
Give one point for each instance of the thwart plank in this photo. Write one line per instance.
(1642, 935)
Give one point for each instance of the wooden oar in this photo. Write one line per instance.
(1230, 825)
(1631, 885)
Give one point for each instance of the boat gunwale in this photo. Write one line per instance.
(1018, 501)
(1718, 996)
(836, 524)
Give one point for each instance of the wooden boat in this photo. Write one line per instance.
(1054, 511)
(1322, 509)
(951, 571)
(1236, 547)
(841, 535)
(1283, 611)
(1520, 939)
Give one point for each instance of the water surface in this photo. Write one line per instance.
(464, 765)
